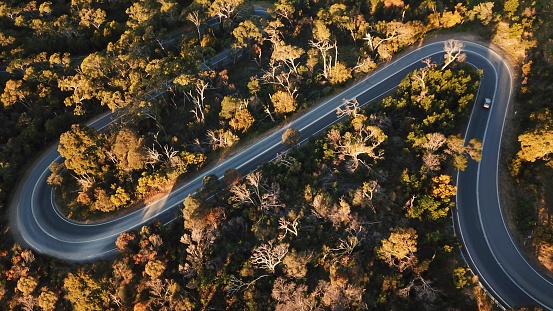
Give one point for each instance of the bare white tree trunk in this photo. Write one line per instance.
(351, 107)
(453, 52)
(236, 284)
(267, 256)
(374, 42)
(197, 98)
(268, 112)
(324, 47)
(194, 17)
(288, 226)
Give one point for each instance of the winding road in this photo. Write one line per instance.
(488, 246)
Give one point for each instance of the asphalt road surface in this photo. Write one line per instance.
(488, 246)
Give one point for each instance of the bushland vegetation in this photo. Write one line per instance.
(335, 224)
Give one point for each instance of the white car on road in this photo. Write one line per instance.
(487, 103)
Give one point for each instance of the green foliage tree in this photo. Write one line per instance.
(452, 18)
(246, 33)
(47, 300)
(340, 73)
(55, 179)
(283, 102)
(442, 187)
(283, 9)
(510, 7)
(287, 54)
(103, 202)
(295, 264)
(26, 285)
(229, 106)
(483, 11)
(128, 149)
(535, 145)
(85, 293)
(429, 208)
(225, 9)
(14, 92)
(459, 278)
(142, 13)
(90, 17)
(83, 150)
(193, 207)
(154, 268)
(242, 120)
(120, 198)
(324, 45)
(399, 249)
(232, 177)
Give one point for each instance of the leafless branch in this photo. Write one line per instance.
(84, 181)
(351, 107)
(453, 52)
(288, 226)
(197, 97)
(285, 159)
(267, 256)
(236, 284)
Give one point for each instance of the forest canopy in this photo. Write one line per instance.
(356, 218)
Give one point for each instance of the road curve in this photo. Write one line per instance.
(489, 248)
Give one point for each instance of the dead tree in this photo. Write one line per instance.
(431, 143)
(152, 156)
(423, 290)
(27, 302)
(453, 52)
(197, 243)
(292, 296)
(284, 159)
(278, 75)
(432, 161)
(269, 113)
(354, 145)
(374, 42)
(194, 17)
(236, 285)
(434, 141)
(364, 195)
(351, 107)
(288, 226)
(324, 46)
(257, 192)
(197, 97)
(410, 203)
(161, 294)
(419, 76)
(348, 244)
(267, 256)
(241, 194)
(221, 139)
(271, 198)
(85, 182)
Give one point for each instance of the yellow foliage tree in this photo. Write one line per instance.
(442, 187)
(154, 268)
(26, 285)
